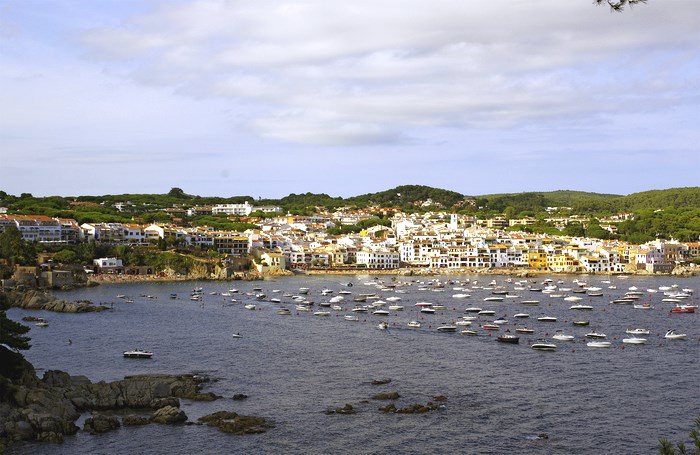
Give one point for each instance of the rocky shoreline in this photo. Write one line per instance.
(46, 409)
(39, 300)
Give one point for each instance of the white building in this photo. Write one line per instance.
(378, 259)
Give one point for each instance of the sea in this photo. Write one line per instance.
(500, 398)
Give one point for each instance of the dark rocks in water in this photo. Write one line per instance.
(347, 409)
(543, 436)
(100, 423)
(439, 398)
(169, 415)
(386, 396)
(134, 420)
(391, 407)
(416, 408)
(47, 409)
(240, 397)
(381, 381)
(36, 300)
(231, 422)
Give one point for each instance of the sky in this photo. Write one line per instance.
(270, 97)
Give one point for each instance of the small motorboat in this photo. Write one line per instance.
(41, 322)
(383, 325)
(581, 323)
(595, 335)
(501, 321)
(380, 313)
(447, 328)
(530, 302)
(521, 315)
(487, 312)
(599, 344)
(637, 332)
(543, 345)
(524, 330)
(351, 317)
(490, 327)
(322, 313)
(672, 335)
(580, 307)
(507, 338)
(284, 311)
(236, 335)
(414, 324)
(472, 309)
(683, 309)
(547, 319)
(561, 336)
(249, 306)
(138, 354)
(469, 332)
(427, 310)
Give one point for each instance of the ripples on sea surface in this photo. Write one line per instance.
(293, 368)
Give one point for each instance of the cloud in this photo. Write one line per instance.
(366, 72)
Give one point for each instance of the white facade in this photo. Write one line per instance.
(378, 259)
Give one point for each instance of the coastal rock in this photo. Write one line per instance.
(169, 415)
(230, 422)
(381, 381)
(37, 300)
(100, 423)
(386, 396)
(239, 397)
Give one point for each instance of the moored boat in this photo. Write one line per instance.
(508, 338)
(543, 345)
(138, 354)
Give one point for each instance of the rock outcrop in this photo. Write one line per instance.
(230, 422)
(47, 409)
(38, 300)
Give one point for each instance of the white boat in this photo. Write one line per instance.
(302, 308)
(595, 335)
(493, 299)
(599, 344)
(521, 315)
(383, 325)
(672, 335)
(472, 309)
(637, 331)
(461, 296)
(572, 298)
(500, 321)
(41, 322)
(249, 306)
(283, 311)
(561, 336)
(236, 335)
(543, 345)
(447, 328)
(396, 307)
(634, 340)
(336, 308)
(547, 319)
(380, 313)
(580, 307)
(351, 317)
(275, 300)
(414, 324)
(427, 310)
(322, 313)
(138, 354)
(393, 299)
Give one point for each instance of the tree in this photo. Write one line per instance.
(666, 447)
(177, 193)
(11, 332)
(619, 6)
